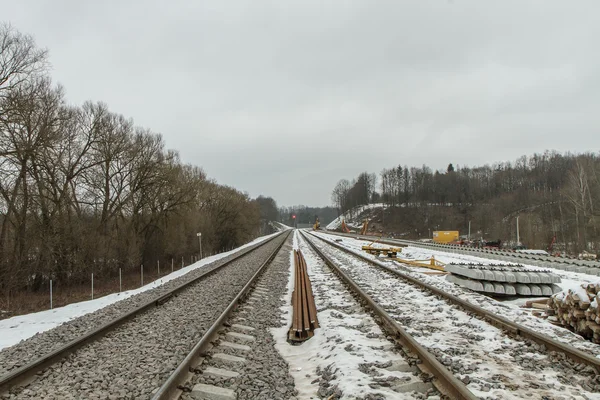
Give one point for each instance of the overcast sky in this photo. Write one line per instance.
(285, 98)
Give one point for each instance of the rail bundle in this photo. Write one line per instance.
(304, 318)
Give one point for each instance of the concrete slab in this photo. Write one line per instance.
(535, 290)
(229, 358)
(522, 289)
(488, 287)
(499, 276)
(240, 336)
(499, 288)
(522, 277)
(509, 288)
(220, 372)
(211, 392)
(236, 346)
(546, 290)
(534, 277)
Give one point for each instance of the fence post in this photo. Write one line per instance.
(92, 286)
(142, 274)
(51, 294)
(191, 259)
(181, 261)
(172, 264)
(158, 267)
(120, 281)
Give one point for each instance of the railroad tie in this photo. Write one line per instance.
(304, 317)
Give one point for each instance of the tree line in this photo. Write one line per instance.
(307, 215)
(553, 193)
(85, 190)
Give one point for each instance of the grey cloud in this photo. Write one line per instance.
(285, 98)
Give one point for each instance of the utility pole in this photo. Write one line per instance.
(199, 234)
(518, 240)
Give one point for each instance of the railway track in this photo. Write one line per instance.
(492, 357)
(560, 263)
(132, 355)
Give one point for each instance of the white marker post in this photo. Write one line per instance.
(199, 234)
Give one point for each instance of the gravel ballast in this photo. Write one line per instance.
(264, 374)
(133, 360)
(47, 341)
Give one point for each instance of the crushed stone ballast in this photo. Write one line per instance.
(137, 356)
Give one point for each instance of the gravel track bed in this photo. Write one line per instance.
(133, 360)
(45, 342)
(513, 313)
(265, 374)
(492, 364)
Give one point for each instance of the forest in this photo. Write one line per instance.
(551, 194)
(84, 190)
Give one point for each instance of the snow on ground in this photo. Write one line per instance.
(348, 341)
(508, 310)
(15, 329)
(336, 223)
(491, 363)
(569, 279)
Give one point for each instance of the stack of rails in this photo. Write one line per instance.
(503, 279)
(304, 318)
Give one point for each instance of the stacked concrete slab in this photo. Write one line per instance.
(503, 279)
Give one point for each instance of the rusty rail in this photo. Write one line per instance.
(304, 318)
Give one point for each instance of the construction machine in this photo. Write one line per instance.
(363, 230)
(345, 228)
(317, 225)
(391, 252)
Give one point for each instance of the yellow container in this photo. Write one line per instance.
(445, 236)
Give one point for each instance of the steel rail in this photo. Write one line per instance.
(172, 387)
(494, 319)
(25, 372)
(444, 379)
(517, 257)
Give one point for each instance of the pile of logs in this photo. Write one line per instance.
(578, 310)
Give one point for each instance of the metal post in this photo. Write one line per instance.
(199, 234)
(92, 286)
(158, 267)
(172, 264)
(469, 235)
(51, 294)
(518, 240)
(181, 261)
(142, 274)
(120, 281)
(191, 259)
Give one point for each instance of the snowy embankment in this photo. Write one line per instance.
(507, 310)
(347, 216)
(15, 329)
(349, 352)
